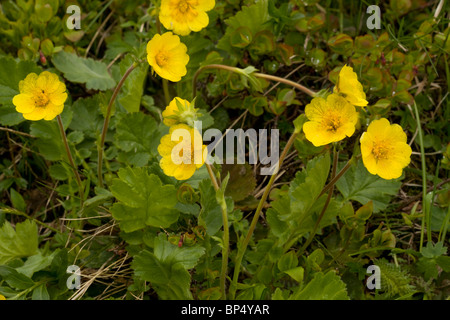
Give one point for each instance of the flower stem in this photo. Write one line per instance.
(166, 91)
(256, 74)
(242, 248)
(339, 175)
(106, 123)
(226, 231)
(424, 181)
(69, 156)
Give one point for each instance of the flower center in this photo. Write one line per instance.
(161, 59)
(332, 122)
(183, 6)
(188, 157)
(380, 151)
(41, 99)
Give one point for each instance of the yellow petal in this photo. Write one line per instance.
(200, 22)
(184, 171)
(28, 85)
(58, 98)
(206, 5)
(53, 111)
(24, 103)
(36, 114)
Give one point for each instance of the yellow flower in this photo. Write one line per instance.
(40, 97)
(167, 56)
(384, 149)
(331, 120)
(350, 88)
(184, 16)
(2, 297)
(182, 152)
(179, 111)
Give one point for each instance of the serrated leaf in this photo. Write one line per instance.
(172, 282)
(327, 286)
(143, 200)
(211, 213)
(253, 18)
(80, 70)
(138, 134)
(18, 243)
(359, 185)
(87, 117)
(307, 185)
(167, 267)
(171, 254)
(131, 93)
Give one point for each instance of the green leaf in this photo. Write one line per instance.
(307, 185)
(211, 213)
(188, 256)
(17, 201)
(36, 263)
(131, 93)
(251, 18)
(50, 143)
(287, 261)
(172, 282)
(296, 273)
(327, 286)
(167, 267)
(40, 293)
(359, 185)
(434, 251)
(80, 70)
(19, 243)
(87, 117)
(138, 135)
(143, 200)
(242, 181)
(14, 278)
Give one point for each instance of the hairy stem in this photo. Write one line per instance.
(165, 83)
(106, 123)
(69, 156)
(327, 202)
(256, 74)
(242, 248)
(226, 231)
(424, 181)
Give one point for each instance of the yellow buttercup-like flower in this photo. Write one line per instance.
(331, 120)
(41, 96)
(167, 55)
(182, 152)
(179, 111)
(184, 16)
(384, 149)
(350, 88)
(2, 297)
